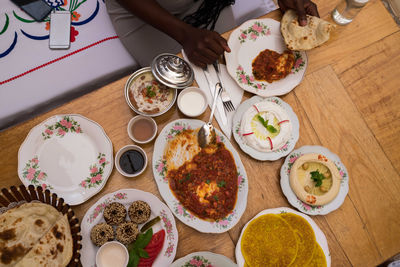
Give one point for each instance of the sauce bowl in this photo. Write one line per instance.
(135, 165)
(192, 102)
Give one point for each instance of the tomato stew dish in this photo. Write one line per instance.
(207, 185)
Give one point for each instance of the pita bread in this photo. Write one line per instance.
(315, 33)
(22, 227)
(53, 249)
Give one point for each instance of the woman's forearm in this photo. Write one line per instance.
(155, 15)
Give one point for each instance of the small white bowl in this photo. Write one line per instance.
(197, 97)
(122, 151)
(133, 121)
(103, 249)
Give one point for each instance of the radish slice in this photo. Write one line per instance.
(270, 142)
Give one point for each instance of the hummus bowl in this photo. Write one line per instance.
(314, 180)
(265, 128)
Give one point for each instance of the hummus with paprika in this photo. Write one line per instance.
(315, 179)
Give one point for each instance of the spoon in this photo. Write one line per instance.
(206, 134)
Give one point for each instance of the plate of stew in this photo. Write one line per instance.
(205, 188)
(260, 62)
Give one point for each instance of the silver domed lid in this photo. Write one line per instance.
(172, 71)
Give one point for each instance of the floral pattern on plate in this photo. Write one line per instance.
(94, 215)
(96, 173)
(246, 42)
(60, 128)
(291, 196)
(75, 155)
(203, 259)
(34, 175)
(160, 170)
(273, 155)
(254, 31)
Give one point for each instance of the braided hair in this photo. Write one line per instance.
(208, 13)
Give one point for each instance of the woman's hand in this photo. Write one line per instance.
(204, 47)
(302, 7)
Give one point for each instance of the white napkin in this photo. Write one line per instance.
(231, 87)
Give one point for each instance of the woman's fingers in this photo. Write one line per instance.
(301, 12)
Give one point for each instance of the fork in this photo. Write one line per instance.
(226, 100)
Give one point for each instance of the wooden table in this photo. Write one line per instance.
(349, 102)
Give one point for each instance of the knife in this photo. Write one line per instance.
(220, 106)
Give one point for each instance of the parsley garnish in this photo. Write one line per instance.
(317, 177)
(215, 197)
(270, 128)
(208, 181)
(187, 178)
(221, 183)
(150, 93)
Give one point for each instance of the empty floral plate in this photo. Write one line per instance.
(203, 259)
(68, 154)
(246, 42)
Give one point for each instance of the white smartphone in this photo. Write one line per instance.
(60, 29)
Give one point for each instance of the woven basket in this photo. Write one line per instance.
(12, 196)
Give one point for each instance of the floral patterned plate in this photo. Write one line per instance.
(68, 154)
(273, 155)
(246, 42)
(204, 259)
(160, 169)
(291, 196)
(94, 215)
(319, 235)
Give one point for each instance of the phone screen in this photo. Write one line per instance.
(37, 9)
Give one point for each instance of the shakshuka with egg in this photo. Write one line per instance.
(207, 184)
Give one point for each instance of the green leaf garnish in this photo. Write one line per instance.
(208, 181)
(150, 93)
(187, 178)
(317, 177)
(143, 253)
(269, 128)
(215, 197)
(221, 183)
(136, 250)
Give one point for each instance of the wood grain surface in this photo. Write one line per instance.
(349, 102)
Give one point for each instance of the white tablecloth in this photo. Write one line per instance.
(34, 78)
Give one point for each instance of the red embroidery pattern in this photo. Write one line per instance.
(57, 59)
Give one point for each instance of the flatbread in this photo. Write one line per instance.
(316, 32)
(305, 238)
(22, 227)
(53, 249)
(268, 241)
(318, 259)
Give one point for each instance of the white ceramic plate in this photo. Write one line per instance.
(69, 154)
(273, 155)
(246, 42)
(291, 196)
(319, 235)
(203, 258)
(94, 215)
(159, 171)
